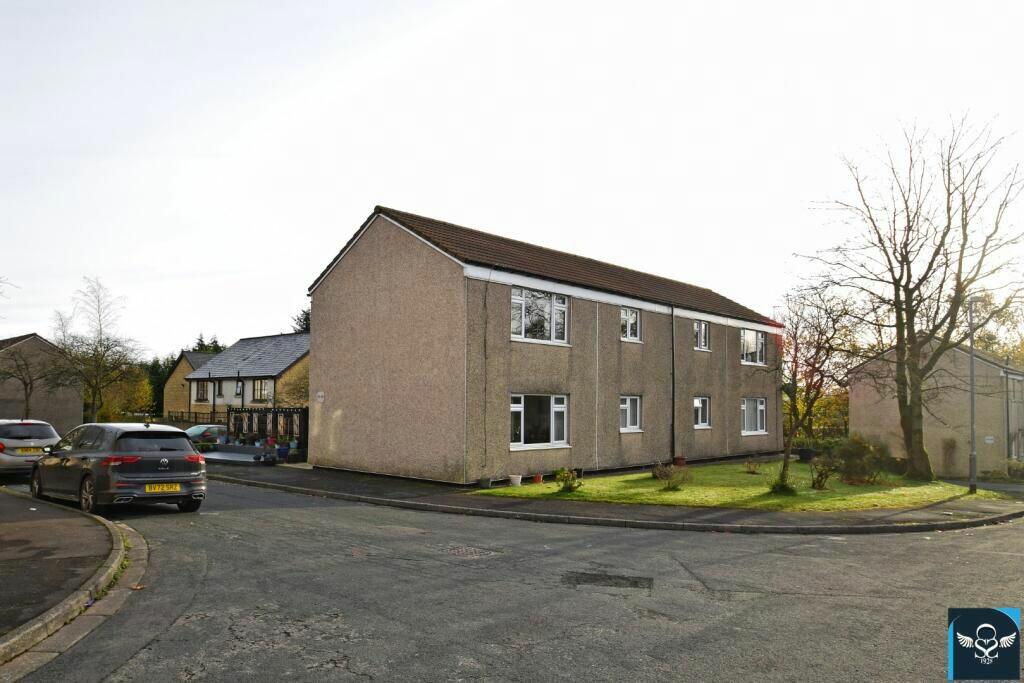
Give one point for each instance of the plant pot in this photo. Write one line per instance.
(484, 482)
(679, 461)
(515, 480)
(282, 451)
(806, 454)
(538, 478)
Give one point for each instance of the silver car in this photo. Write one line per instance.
(22, 442)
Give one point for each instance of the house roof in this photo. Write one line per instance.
(493, 251)
(4, 343)
(255, 357)
(983, 356)
(197, 359)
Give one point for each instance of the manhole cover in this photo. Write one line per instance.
(607, 580)
(468, 552)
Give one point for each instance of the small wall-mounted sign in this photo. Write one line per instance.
(990, 439)
(319, 397)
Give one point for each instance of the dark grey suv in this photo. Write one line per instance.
(109, 464)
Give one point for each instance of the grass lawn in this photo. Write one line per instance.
(729, 485)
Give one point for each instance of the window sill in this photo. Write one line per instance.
(633, 430)
(756, 365)
(753, 433)
(702, 427)
(632, 341)
(697, 348)
(201, 400)
(258, 400)
(538, 446)
(541, 341)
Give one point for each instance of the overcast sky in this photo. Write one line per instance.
(207, 159)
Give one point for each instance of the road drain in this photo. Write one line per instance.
(607, 580)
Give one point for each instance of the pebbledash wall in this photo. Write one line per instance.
(999, 407)
(412, 367)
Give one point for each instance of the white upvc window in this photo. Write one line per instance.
(629, 414)
(752, 345)
(752, 416)
(630, 323)
(538, 421)
(702, 335)
(539, 316)
(702, 412)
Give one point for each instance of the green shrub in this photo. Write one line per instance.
(673, 478)
(823, 468)
(568, 480)
(863, 460)
(884, 458)
(1015, 469)
(751, 466)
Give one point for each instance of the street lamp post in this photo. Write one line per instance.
(973, 482)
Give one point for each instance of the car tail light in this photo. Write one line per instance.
(119, 459)
(195, 458)
(2, 446)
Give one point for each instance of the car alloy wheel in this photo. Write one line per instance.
(37, 484)
(87, 496)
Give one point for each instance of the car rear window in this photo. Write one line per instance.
(144, 442)
(27, 431)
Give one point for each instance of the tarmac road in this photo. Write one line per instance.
(264, 585)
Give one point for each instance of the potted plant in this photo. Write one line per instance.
(806, 449)
(515, 479)
(538, 478)
(679, 460)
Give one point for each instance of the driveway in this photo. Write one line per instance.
(265, 585)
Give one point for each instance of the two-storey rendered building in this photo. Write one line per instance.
(446, 353)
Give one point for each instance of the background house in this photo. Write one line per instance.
(267, 372)
(30, 356)
(447, 353)
(176, 389)
(999, 402)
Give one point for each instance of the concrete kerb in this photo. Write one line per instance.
(33, 632)
(807, 529)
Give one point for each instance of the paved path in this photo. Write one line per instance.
(264, 586)
(963, 508)
(45, 554)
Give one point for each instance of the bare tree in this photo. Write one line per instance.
(32, 370)
(932, 234)
(813, 359)
(95, 358)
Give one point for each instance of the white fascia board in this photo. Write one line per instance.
(516, 280)
(359, 236)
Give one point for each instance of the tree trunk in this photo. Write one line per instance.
(918, 465)
(27, 408)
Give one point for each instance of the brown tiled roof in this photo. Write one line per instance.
(493, 251)
(4, 343)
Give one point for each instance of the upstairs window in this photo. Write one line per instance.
(538, 420)
(539, 315)
(260, 389)
(752, 345)
(702, 335)
(702, 412)
(629, 413)
(752, 416)
(630, 323)
(202, 392)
